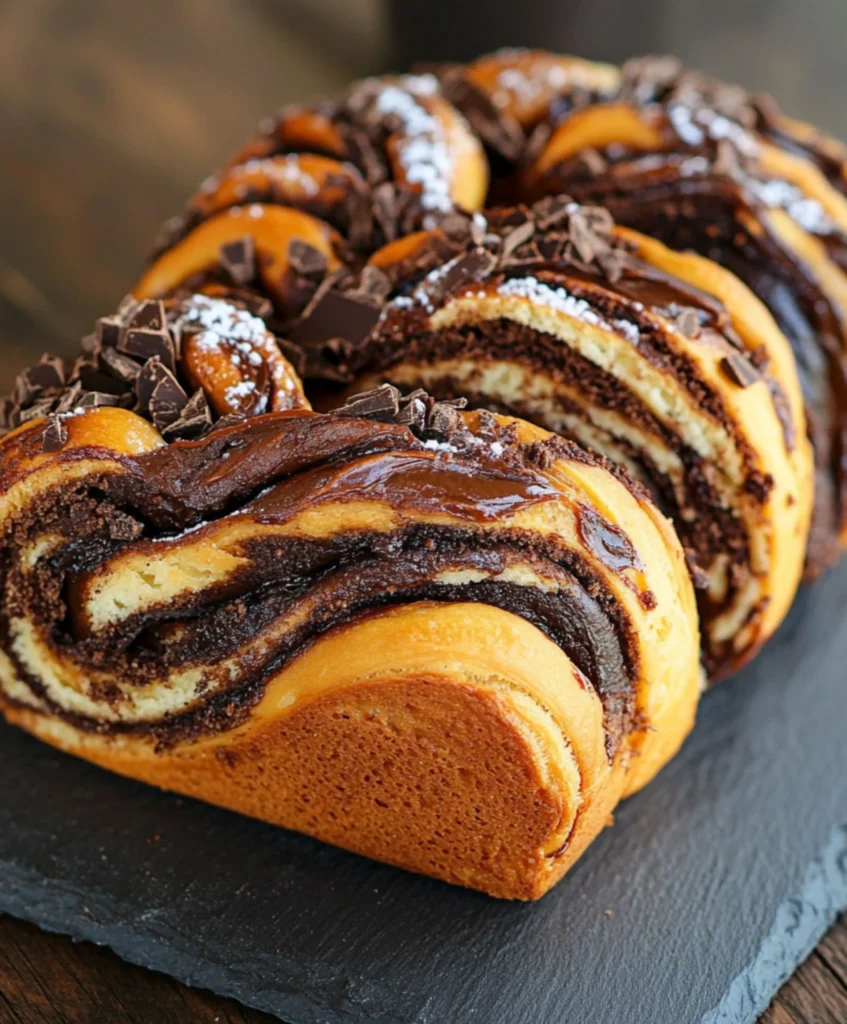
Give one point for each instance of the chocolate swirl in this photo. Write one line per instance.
(345, 621)
(553, 314)
(160, 594)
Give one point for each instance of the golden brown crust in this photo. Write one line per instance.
(434, 773)
(352, 739)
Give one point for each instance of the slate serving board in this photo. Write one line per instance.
(713, 885)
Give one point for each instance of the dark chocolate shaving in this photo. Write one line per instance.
(517, 237)
(418, 411)
(687, 322)
(474, 266)
(130, 361)
(739, 370)
(238, 259)
(55, 434)
(306, 259)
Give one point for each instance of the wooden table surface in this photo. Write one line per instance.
(107, 122)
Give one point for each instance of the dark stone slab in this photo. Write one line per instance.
(712, 886)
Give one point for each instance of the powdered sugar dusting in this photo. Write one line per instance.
(629, 330)
(222, 322)
(440, 446)
(803, 210)
(285, 170)
(535, 79)
(423, 152)
(696, 124)
(561, 300)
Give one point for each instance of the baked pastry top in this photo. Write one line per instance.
(457, 430)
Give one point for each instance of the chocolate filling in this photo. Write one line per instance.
(714, 529)
(705, 214)
(352, 573)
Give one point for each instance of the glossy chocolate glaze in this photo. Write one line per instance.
(176, 486)
(269, 469)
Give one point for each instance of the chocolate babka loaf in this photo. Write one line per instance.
(396, 600)
(560, 474)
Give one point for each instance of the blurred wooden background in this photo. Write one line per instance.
(111, 112)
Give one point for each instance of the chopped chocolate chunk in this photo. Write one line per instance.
(336, 315)
(194, 420)
(739, 370)
(167, 399)
(687, 322)
(306, 259)
(55, 434)
(413, 409)
(238, 259)
(49, 372)
(382, 404)
(121, 366)
(108, 331)
(93, 379)
(517, 237)
(144, 344)
(444, 419)
(146, 382)
(148, 315)
(97, 399)
(34, 411)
